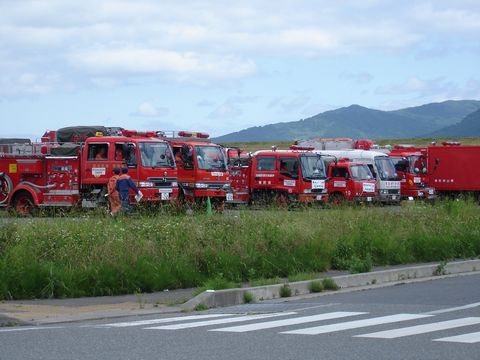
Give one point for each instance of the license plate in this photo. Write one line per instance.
(319, 197)
(229, 197)
(164, 196)
(394, 197)
(165, 190)
(369, 198)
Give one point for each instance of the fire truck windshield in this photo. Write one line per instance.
(417, 164)
(385, 168)
(312, 167)
(155, 154)
(361, 172)
(210, 157)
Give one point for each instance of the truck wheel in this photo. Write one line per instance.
(281, 200)
(6, 187)
(337, 199)
(23, 204)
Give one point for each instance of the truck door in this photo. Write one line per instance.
(263, 172)
(97, 167)
(339, 179)
(288, 176)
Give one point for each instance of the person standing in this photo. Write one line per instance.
(113, 195)
(124, 184)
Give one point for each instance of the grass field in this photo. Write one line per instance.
(96, 255)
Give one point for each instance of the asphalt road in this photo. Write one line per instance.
(429, 320)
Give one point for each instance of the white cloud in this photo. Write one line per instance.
(185, 66)
(147, 109)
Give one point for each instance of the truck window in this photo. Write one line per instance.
(119, 152)
(339, 172)
(97, 152)
(289, 167)
(130, 154)
(266, 163)
(186, 155)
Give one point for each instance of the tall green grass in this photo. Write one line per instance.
(70, 257)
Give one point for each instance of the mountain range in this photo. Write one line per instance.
(445, 119)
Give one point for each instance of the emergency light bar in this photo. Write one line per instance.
(302, 148)
(193, 134)
(451, 143)
(130, 133)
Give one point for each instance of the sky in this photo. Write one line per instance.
(219, 67)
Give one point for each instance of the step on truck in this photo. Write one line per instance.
(411, 166)
(202, 168)
(349, 181)
(71, 167)
(278, 176)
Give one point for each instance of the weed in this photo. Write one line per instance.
(440, 269)
(247, 297)
(329, 284)
(201, 307)
(316, 286)
(285, 291)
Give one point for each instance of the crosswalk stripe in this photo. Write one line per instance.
(422, 329)
(355, 324)
(32, 328)
(286, 322)
(164, 320)
(219, 321)
(465, 338)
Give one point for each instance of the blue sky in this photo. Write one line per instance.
(219, 67)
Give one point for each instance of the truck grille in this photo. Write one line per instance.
(215, 186)
(162, 182)
(394, 191)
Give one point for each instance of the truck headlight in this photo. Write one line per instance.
(307, 191)
(174, 184)
(201, 185)
(146, 184)
(384, 192)
(226, 186)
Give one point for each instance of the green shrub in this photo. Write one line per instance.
(316, 286)
(329, 284)
(285, 291)
(247, 297)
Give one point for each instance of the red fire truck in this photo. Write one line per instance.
(453, 169)
(411, 166)
(283, 176)
(75, 169)
(202, 168)
(350, 181)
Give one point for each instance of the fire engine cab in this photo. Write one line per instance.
(284, 176)
(350, 181)
(202, 168)
(75, 169)
(411, 166)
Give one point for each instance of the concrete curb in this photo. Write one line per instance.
(221, 298)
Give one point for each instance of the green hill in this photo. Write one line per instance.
(468, 127)
(360, 122)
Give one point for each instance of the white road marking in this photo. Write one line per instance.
(164, 320)
(219, 321)
(287, 322)
(31, 328)
(471, 338)
(422, 329)
(443, 311)
(356, 324)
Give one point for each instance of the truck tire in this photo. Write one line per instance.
(337, 199)
(6, 188)
(23, 204)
